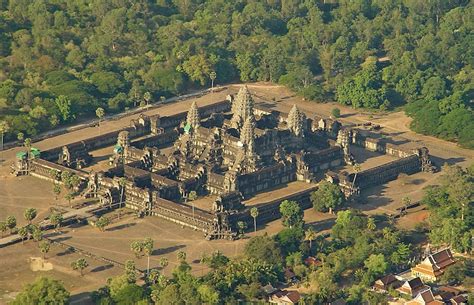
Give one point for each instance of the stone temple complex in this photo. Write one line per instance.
(207, 167)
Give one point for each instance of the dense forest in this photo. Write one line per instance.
(62, 59)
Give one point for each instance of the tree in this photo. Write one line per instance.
(215, 260)
(122, 182)
(80, 264)
(36, 233)
(192, 195)
(181, 256)
(130, 271)
(198, 68)
(208, 294)
(44, 247)
(328, 196)
(371, 224)
(137, 248)
(100, 113)
(153, 276)
(20, 136)
(376, 264)
(148, 249)
(242, 226)
(454, 274)
(4, 127)
(56, 219)
(102, 222)
(11, 223)
(147, 97)
(64, 105)
(130, 294)
(254, 214)
(170, 295)
(163, 262)
(3, 227)
(336, 112)
(292, 214)
(23, 232)
(356, 167)
(310, 235)
(212, 76)
(30, 214)
(263, 248)
(43, 290)
(401, 255)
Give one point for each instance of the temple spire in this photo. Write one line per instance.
(193, 119)
(247, 133)
(296, 121)
(242, 107)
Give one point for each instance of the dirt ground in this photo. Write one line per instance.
(18, 193)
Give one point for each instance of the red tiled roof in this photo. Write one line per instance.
(458, 299)
(286, 295)
(442, 259)
(312, 261)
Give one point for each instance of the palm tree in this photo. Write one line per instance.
(56, 190)
(371, 224)
(23, 232)
(11, 223)
(36, 233)
(357, 169)
(4, 127)
(163, 263)
(181, 256)
(20, 136)
(69, 197)
(254, 214)
(30, 214)
(102, 222)
(242, 225)
(44, 247)
(212, 76)
(3, 227)
(153, 276)
(137, 248)
(122, 181)
(310, 235)
(56, 219)
(147, 97)
(148, 249)
(80, 265)
(100, 113)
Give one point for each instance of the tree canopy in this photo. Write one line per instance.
(43, 290)
(62, 60)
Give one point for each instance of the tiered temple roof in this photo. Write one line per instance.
(242, 107)
(296, 120)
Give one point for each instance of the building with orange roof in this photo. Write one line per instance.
(433, 266)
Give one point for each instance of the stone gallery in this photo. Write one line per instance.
(206, 168)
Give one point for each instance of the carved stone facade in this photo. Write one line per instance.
(228, 149)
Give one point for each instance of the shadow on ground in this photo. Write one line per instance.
(102, 268)
(167, 250)
(122, 226)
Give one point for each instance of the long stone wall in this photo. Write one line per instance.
(270, 210)
(183, 215)
(266, 178)
(42, 169)
(381, 146)
(387, 172)
(158, 140)
(170, 122)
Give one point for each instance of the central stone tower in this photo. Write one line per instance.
(242, 108)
